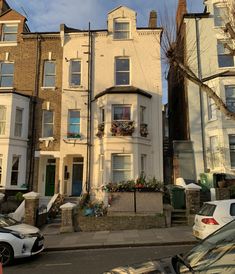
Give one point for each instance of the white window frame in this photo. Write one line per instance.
(214, 150)
(6, 75)
(123, 71)
(51, 74)
(120, 31)
(212, 109)
(225, 53)
(230, 101)
(69, 112)
(143, 118)
(43, 123)
(219, 21)
(143, 164)
(3, 122)
(75, 73)
(18, 124)
(121, 170)
(231, 150)
(15, 170)
(4, 33)
(121, 106)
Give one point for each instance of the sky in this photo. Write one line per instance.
(47, 15)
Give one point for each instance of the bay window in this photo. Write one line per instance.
(2, 120)
(121, 167)
(121, 113)
(18, 122)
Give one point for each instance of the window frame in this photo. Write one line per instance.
(231, 150)
(121, 106)
(212, 109)
(121, 170)
(122, 71)
(19, 123)
(69, 123)
(15, 170)
(1, 168)
(227, 98)
(218, 16)
(71, 73)
(214, 151)
(45, 74)
(221, 56)
(9, 75)
(43, 123)
(121, 31)
(143, 164)
(4, 33)
(4, 121)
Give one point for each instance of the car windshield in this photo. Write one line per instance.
(216, 253)
(6, 221)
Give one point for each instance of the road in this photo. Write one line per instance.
(93, 261)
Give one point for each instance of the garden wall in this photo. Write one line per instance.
(120, 222)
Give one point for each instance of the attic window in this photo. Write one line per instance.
(121, 30)
(9, 32)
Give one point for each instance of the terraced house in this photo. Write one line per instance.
(93, 101)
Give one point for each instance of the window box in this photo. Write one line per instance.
(73, 135)
(122, 128)
(100, 132)
(144, 130)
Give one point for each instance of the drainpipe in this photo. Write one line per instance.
(199, 66)
(88, 164)
(34, 102)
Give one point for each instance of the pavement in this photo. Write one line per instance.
(177, 235)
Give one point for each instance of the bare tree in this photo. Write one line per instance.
(176, 57)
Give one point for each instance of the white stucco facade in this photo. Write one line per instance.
(13, 146)
(143, 91)
(216, 125)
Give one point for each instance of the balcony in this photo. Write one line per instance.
(122, 128)
(100, 132)
(144, 130)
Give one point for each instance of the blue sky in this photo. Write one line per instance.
(47, 15)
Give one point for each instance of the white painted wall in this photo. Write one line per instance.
(11, 145)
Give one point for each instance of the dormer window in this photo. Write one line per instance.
(121, 30)
(9, 32)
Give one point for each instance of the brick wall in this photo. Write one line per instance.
(120, 222)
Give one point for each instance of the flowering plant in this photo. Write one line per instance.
(100, 132)
(73, 135)
(140, 184)
(144, 130)
(122, 128)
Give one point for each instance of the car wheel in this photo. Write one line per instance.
(6, 253)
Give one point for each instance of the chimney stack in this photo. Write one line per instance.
(181, 10)
(152, 19)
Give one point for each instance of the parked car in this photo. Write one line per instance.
(18, 240)
(212, 216)
(215, 254)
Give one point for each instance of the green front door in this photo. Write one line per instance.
(50, 180)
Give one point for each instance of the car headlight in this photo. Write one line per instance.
(20, 235)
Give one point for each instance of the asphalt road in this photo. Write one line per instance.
(93, 261)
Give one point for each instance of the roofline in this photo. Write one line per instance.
(15, 92)
(137, 91)
(196, 15)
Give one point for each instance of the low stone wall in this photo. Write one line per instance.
(120, 222)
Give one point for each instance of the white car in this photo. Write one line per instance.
(18, 240)
(212, 216)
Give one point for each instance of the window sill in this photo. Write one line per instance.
(129, 39)
(48, 88)
(8, 44)
(212, 120)
(6, 88)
